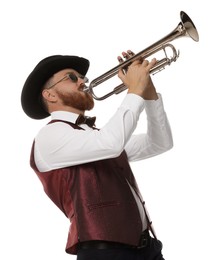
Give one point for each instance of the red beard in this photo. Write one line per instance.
(81, 101)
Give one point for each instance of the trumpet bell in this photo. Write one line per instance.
(189, 26)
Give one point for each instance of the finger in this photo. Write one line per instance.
(136, 62)
(125, 55)
(122, 70)
(130, 53)
(120, 59)
(121, 74)
(151, 64)
(145, 63)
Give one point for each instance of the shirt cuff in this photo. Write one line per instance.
(134, 103)
(154, 107)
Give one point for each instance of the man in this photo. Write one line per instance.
(85, 171)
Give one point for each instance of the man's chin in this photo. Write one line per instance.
(89, 100)
(90, 105)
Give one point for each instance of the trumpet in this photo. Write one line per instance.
(185, 28)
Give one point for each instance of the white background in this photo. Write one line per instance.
(178, 186)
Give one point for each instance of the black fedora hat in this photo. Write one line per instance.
(31, 92)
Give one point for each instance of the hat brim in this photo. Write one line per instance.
(31, 92)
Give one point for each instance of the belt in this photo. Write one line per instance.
(96, 244)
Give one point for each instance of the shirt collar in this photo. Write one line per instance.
(65, 116)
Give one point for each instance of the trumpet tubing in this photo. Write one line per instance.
(184, 28)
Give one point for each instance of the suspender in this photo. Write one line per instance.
(150, 225)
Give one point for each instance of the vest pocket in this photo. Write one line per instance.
(102, 205)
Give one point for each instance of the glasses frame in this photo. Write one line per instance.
(73, 77)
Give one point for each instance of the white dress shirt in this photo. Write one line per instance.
(59, 145)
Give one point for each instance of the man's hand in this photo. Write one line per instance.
(137, 77)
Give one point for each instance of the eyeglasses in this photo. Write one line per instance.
(73, 77)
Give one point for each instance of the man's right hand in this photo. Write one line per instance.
(137, 77)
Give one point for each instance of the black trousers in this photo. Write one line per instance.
(151, 252)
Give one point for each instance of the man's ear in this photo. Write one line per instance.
(49, 95)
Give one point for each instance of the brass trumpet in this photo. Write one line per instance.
(184, 28)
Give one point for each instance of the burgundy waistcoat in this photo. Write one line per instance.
(96, 198)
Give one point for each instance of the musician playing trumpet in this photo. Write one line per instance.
(86, 170)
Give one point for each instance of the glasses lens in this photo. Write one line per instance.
(73, 77)
(85, 79)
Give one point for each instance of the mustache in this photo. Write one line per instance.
(82, 87)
